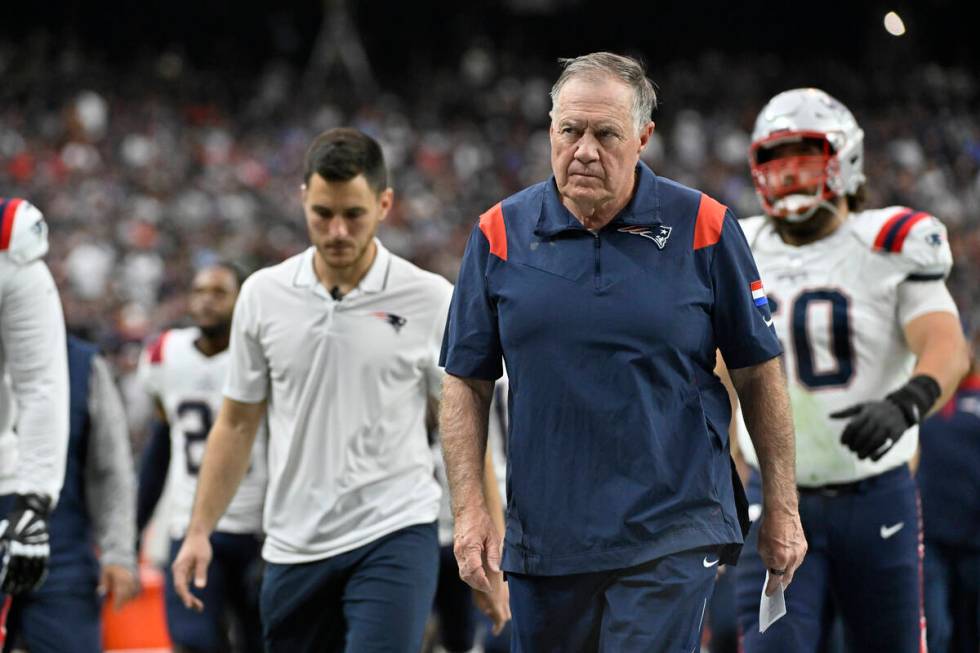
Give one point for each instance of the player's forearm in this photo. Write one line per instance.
(463, 428)
(741, 466)
(945, 357)
(225, 463)
(491, 493)
(765, 406)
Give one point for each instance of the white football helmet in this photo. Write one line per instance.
(794, 187)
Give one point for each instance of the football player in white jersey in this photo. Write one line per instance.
(184, 370)
(872, 342)
(33, 397)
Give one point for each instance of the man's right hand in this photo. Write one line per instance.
(782, 546)
(477, 547)
(191, 565)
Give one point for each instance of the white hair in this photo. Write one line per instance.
(606, 64)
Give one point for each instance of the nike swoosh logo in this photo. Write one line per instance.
(888, 531)
(709, 564)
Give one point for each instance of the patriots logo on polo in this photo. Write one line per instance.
(396, 321)
(658, 233)
(761, 303)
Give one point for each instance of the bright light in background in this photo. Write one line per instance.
(894, 24)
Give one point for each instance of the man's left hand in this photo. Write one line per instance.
(496, 603)
(120, 583)
(477, 547)
(874, 428)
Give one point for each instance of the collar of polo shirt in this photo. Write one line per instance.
(374, 281)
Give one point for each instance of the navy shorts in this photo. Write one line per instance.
(56, 622)
(231, 609)
(863, 561)
(657, 606)
(374, 599)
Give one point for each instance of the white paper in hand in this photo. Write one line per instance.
(771, 608)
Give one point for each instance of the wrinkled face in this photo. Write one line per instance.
(212, 301)
(594, 142)
(342, 218)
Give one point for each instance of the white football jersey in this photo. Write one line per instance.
(33, 358)
(839, 306)
(188, 384)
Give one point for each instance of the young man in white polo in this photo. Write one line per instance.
(338, 348)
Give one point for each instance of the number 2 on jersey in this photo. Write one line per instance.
(195, 422)
(840, 342)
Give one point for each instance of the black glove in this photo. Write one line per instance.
(877, 425)
(25, 542)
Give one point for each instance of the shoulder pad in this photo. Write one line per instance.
(154, 351)
(916, 239)
(752, 227)
(23, 231)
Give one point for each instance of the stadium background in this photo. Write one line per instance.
(158, 136)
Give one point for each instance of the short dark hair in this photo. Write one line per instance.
(237, 271)
(342, 153)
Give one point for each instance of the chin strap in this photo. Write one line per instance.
(809, 203)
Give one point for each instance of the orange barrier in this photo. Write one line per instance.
(141, 623)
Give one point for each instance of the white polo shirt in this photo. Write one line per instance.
(347, 383)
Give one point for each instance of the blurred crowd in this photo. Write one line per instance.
(147, 170)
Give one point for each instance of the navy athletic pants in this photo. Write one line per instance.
(374, 599)
(864, 560)
(230, 597)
